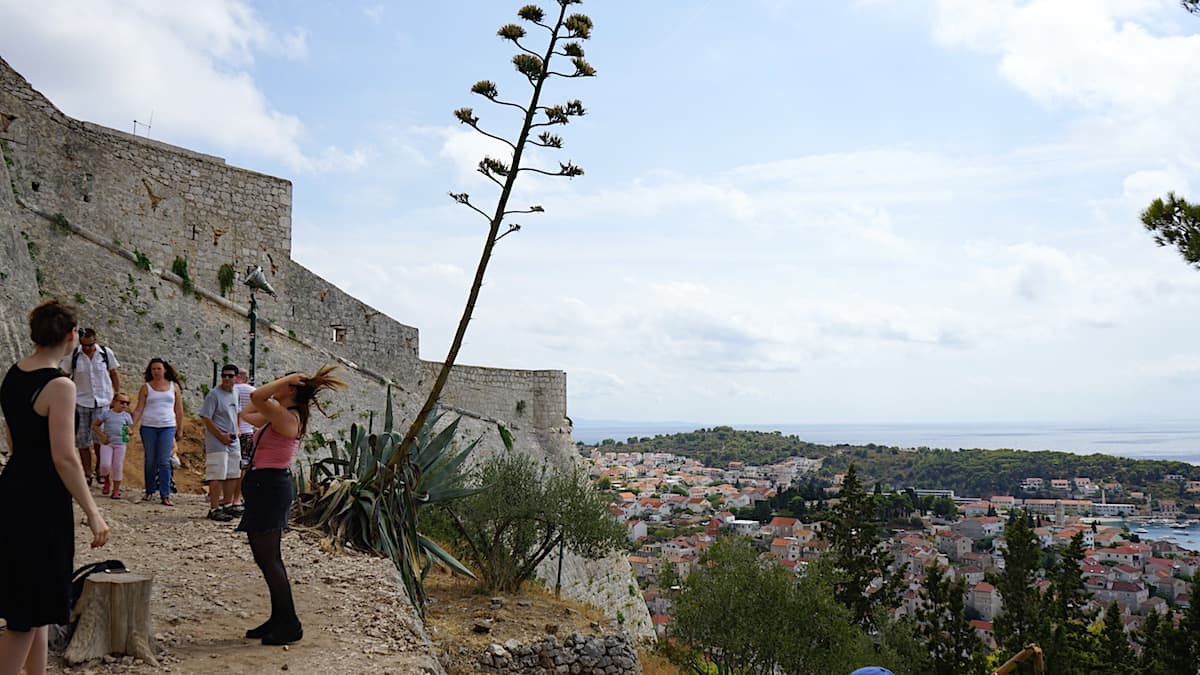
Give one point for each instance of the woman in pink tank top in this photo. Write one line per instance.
(281, 410)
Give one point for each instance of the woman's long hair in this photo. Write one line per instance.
(322, 380)
(168, 372)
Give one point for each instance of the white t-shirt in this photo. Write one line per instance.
(243, 391)
(93, 384)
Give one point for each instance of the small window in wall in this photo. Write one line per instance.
(339, 333)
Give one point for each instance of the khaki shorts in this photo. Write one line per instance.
(222, 465)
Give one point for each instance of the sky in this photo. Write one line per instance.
(868, 211)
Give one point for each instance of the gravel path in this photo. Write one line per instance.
(207, 592)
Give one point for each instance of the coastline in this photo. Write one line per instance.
(1172, 440)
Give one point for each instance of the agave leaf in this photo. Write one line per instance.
(428, 454)
(387, 411)
(457, 493)
(388, 445)
(430, 424)
(505, 436)
(446, 470)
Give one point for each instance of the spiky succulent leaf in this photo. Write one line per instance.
(439, 553)
(506, 436)
(387, 411)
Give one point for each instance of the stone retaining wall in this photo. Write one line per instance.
(583, 654)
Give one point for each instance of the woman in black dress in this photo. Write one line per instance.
(43, 473)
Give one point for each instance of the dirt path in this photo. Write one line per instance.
(207, 592)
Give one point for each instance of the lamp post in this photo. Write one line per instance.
(256, 281)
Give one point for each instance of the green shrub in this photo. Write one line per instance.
(522, 512)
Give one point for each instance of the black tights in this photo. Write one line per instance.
(265, 546)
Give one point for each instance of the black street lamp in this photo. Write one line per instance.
(256, 281)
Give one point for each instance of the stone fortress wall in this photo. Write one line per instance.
(137, 196)
(97, 217)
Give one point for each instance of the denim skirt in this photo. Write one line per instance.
(268, 494)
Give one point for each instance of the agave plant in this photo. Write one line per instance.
(367, 497)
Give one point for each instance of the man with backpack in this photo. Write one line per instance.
(93, 368)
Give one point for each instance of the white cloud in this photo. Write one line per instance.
(465, 147)
(187, 64)
(1140, 187)
(1124, 62)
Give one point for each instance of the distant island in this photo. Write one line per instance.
(969, 472)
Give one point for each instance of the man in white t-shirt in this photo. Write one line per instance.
(93, 368)
(243, 389)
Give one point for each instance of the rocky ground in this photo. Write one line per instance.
(463, 622)
(207, 592)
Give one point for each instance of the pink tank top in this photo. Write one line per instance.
(273, 450)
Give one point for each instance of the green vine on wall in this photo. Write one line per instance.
(60, 222)
(180, 267)
(225, 278)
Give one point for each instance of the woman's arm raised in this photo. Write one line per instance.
(283, 421)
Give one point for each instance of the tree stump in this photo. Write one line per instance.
(113, 616)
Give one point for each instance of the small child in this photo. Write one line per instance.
(112, 426)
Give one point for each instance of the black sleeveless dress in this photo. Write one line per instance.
(37, 533)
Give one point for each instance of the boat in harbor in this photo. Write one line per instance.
(1142, 530)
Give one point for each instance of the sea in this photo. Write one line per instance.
(1177, 440)
(1188, 537)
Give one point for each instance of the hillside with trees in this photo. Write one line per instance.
(967, 472)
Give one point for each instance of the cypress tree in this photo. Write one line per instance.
(954, 647)
(1071, 648)
(857, 555)
(1116, 657)
(1022, 619)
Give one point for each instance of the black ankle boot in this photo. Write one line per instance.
(283, 634)
(259, 631)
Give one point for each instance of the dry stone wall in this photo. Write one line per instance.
(578, 653)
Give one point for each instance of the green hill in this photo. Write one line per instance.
(967, 472)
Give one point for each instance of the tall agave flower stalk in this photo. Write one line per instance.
(565, 34)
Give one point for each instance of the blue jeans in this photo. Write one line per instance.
(158, 442)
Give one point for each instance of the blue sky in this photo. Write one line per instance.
(794, 212)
